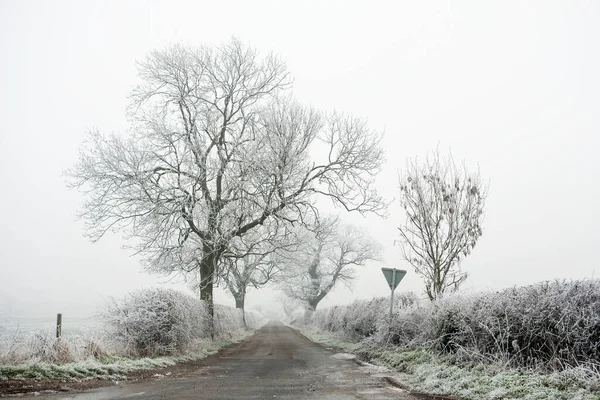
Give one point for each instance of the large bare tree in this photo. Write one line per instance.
(215, 150)
(443, 204)
(330, 253)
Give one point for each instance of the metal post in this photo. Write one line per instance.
(58, 325)
(392, 297)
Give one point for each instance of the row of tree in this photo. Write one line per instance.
(222, 170)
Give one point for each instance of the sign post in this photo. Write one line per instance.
(393, 277)
(58, 325)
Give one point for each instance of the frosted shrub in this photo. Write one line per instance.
(409, 326)
(549, 325)
(360, 319)
(228, 319)
(154, 322)
(555, 324)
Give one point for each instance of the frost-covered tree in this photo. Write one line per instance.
(330, 253)
(215, 150)
(292, 308)
(254, 260)
(443, 205)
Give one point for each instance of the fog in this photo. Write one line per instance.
(509, 87)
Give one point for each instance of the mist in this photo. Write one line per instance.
(508, 88)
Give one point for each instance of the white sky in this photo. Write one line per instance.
(512, 86)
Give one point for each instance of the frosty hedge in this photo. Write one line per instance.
(549, 325)
(155, 322)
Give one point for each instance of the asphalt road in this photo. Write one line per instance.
(274, 363)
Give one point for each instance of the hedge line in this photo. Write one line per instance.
(552, 325)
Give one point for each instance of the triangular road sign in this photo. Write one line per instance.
(393, 276)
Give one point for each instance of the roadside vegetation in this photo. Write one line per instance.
(147, 329)
(532, 342)
(220, 179)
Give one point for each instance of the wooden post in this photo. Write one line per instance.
(58, 325)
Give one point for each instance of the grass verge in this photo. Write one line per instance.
(429, 373)
(110, 367)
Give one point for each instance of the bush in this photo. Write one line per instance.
(154, 322)
(556, 324)
(550, 325)
(362, 318)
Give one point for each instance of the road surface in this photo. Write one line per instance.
(274, 363)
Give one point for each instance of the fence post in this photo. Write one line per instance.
(58, 325)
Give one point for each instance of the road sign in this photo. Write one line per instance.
(393, 276)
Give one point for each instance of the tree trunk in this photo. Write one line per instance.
(240, 299)
(314, 302)
(311, 306)
(207, 272)
(239, 303)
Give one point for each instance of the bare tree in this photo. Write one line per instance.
(291, 307)
(214, 152)
(329, 256)
(443, 204)
(254, 260)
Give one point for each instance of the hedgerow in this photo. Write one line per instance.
(549, 325)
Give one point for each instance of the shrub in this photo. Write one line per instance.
(550, 325)
(362, 318)
(556, 324)
(153, 322)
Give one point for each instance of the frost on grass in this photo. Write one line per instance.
(147, 329)
(533, 342)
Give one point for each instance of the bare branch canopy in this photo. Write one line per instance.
(330, 253)
(443, 205)
(216, 148)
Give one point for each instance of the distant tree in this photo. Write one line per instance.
(330, 253)
(252, 261)
(214, 152)
(290, 306)
(443, 205)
